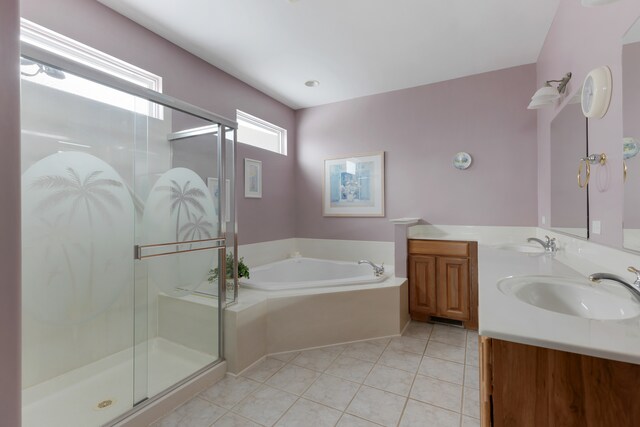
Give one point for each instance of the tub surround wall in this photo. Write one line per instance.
(421, 129)
(191, 79)
(10, 360)
(579, 40)
(337, 250)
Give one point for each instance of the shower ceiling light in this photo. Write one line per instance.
(548, 94)
(312, 83)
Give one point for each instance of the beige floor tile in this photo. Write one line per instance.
(445, 351)
(351, 369)
(408, 344)
(170, 420)
(377, 406)
(419, 330)
(472, 358)
(229, 391)
(348, 420)
(199, 412)
(449, 335)
(294, 379)
(266, 405)
(418, 414)
(436, 392)
(332, 391)
(285, 357)
(471, 377)
(264, 370)
(305, 413)
(364, 350)
(318, 359)
(471, 402)
(400, 359)
(468, 421)
(472, 340)
(234, 420)
(390, 379)
(442, 369)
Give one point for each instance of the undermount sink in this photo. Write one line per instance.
(522, 247)
(574, 297)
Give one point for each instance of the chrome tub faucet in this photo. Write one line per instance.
(377, 270)
(634, 287)
(549, 245)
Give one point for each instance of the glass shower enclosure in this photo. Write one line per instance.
(128, 242)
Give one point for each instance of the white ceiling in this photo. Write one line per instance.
(353, 47)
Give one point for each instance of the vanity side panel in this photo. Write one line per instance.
(520, 386)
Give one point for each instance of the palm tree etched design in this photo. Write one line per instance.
(197, 228)
(91, 192)
(185, 198)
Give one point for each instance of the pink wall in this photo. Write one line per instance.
(10, 212)
(188, 78)
(579, 40)
(421, 129)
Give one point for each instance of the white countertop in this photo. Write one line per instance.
(505, 317)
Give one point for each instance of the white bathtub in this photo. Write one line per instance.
(303, 273)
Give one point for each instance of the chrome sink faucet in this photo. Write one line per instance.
(634, 287)
(549, 245)
(377, 270)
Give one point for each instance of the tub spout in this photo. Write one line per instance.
(377, 270)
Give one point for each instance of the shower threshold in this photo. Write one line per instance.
(99, 392)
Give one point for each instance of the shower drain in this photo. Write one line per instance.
(104, 404)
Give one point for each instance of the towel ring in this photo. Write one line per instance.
(624, 164)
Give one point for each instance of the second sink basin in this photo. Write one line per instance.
(574, 297)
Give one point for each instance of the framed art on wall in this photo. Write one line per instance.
(354, 186)
(252, 178)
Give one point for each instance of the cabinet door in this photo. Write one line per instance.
(453, 288)
(422, 286)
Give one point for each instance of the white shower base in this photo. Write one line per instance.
(71, 399)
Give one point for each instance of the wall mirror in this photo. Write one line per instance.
(569, 144)
(630, 143)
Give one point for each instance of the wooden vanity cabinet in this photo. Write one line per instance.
(528, 386)
(443, 281)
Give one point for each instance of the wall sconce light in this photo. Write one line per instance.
(591, 3)
(548, 94)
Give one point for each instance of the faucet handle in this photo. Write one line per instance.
(549, 239)
(632, 269)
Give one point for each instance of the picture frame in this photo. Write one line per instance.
(252, 179)
(212, 184)
(353, 186)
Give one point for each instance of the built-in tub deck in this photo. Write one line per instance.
(269, 322)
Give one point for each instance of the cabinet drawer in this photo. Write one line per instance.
(439, 247)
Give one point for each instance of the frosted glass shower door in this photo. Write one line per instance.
(179, 248)
(77, 240)
(121, 228)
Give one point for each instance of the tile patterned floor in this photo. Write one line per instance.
(427, 377)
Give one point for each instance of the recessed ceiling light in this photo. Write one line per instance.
(312, 83)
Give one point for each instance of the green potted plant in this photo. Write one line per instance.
(243, 271)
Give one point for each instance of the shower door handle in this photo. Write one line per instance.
(216, 243)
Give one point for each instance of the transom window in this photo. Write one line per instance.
(260, 133)
(67, 48)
